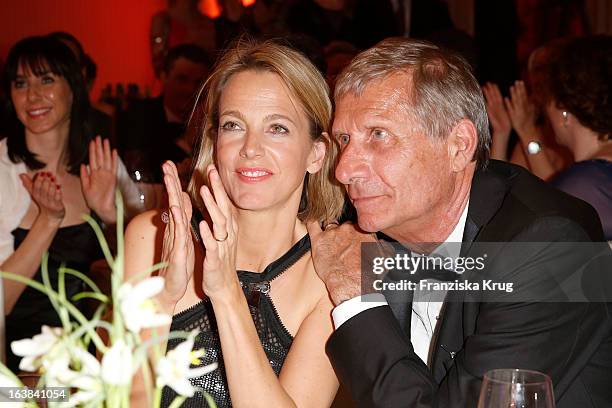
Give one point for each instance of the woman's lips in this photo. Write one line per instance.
(253, 175)
(38, 113)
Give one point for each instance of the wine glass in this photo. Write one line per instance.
(144, 192)
(516, 388)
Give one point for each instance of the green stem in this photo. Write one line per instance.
(61, 288)
(91, 295)
(84, 278)
(177, 402)
(126, 396)
(44, 269)
(157, 397)
(101, 239)
(53, 296)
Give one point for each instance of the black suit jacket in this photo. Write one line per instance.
(572, 342)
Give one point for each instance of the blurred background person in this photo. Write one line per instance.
(154, 130)
(522, 113)
(579, 108)
(182, 22)
(45, 184)
(361, 22)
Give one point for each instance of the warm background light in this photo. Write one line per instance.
(113, 32)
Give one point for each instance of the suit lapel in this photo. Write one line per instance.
(487, 194)
(399, 301)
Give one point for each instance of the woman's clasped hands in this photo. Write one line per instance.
(98, 182)
(219, 278)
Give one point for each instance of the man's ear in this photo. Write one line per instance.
(462, 143)
(317, 155)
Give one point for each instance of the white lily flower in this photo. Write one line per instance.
(174, 369)
(55, 364)
(36, 349)
(117, 364)
(87, 380)
(137, 306)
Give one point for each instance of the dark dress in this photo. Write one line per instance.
(77, 247)
(273, 335)
(591, 181)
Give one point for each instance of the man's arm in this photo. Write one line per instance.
(376, 361)
(377, 364)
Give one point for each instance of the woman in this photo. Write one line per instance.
(579, 109)
(523, 112)
(45, 185)
(265, 167)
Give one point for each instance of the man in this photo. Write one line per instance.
(414, 144)
(154, 130)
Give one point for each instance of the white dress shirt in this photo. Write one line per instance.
(425, 314)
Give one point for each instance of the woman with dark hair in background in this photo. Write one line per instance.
(579, 107)
(45, 186)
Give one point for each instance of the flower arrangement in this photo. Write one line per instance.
(61, 356)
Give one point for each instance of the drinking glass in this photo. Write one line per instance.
(147, 194)
(516, 388)
(143, 193)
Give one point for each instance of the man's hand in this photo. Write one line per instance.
(336, 253)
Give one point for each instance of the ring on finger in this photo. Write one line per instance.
(165, 217)
(222, 239)
(334, 223)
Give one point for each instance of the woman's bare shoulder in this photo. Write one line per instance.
(146, 224)
(143, 241)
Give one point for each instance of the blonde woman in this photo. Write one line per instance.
(245, 278)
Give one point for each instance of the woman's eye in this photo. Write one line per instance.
(343, 139)
(47, 79)
(19, 83)
(278, 129)
(230, 126)
(380, 133)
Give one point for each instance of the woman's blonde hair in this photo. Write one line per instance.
(323, 196)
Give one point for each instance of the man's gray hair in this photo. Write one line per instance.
(442, 90)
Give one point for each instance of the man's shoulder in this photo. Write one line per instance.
(525, 199)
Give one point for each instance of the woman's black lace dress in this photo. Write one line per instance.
(273, 335)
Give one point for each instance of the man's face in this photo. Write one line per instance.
(181, 84)
(396, 175)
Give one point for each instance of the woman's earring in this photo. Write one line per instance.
(565, 115)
